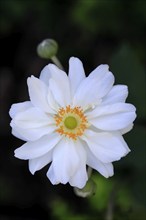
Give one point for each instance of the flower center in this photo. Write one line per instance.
(71, 122)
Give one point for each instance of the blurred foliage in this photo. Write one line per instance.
(96, 31)
(129, 70)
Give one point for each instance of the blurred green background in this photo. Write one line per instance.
(96, 31)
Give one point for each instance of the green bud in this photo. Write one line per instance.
(88, 190)
(47, 48)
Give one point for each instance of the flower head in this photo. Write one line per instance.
(73, 121)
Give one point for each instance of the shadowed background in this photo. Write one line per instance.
(96, 31)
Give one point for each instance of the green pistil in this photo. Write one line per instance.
(70, 122)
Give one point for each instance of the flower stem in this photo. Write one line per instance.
(110, 207)
(57, 62)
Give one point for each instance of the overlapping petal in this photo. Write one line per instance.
(39, 162)
(52, 102)
(59, 86)
(112, 117)
(32, 124)
(76, 73)
(19, 107)
(51, 176)
(99, 72)
(105, 169)
(65, 160)
(31, 134)
(93, 88)
(117, 94)
(45, 75)
(34, 149)
(107, 147)
(38, 93)
(58, 82)
(127, 129)
(80, 177)
(32, 118)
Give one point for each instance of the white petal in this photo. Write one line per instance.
(80, 177)
(127, 129)
(51, 176)
(32, 118)
(38, 93)
(59, 86)
(39, 162)
(93, 88)
(118, 93)
(99, 72)
(18, 135)
(76, 73)
(32, 124)
(105, 169)
(45, 75)
(19, 107)
(57, 93)
(52, 103)
(31, 134)
(65, 160)
(112, 117)
(37, 148)
(107, 147)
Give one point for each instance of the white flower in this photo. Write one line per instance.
(73, 121)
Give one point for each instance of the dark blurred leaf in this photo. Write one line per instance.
(135, 162)
(128, 70)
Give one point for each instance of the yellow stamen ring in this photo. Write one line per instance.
(71, 122)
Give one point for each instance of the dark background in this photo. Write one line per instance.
(96, 31)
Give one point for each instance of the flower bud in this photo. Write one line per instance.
(88, 190)
(47, 48)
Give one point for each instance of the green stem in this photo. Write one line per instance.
(57, 62)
